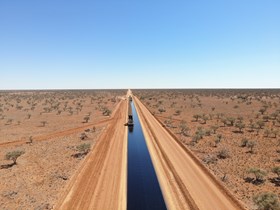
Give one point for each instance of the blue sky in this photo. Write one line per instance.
(61, 44)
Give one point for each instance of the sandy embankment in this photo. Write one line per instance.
(185, 183)
(102, 180)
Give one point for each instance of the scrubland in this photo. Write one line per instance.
(234, 133)
(44, 137)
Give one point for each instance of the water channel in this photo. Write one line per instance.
(143, 190)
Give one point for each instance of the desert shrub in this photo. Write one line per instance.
(214, 128)
(224, 121)
(204, 118)
(240, 118)
(14, 155)
(275, 133)
(208, 132)
(86, 119)
(223, 154)
(106, 112)
(231, 121)
(83, 148)
(262, 110)
(258, 173)
(44, 123)
(276, 170)
(200, 132)
(83, 136)
(251, 145)
(244, 142)
(218, 139)
(196, 117)
(184, 128)
(30, 140)
(209, 159)
(178, 112)
(260, 124)
(252, 127)
(267, 201)
(266, 133)
(196, 138)
(266, 118)
(240, 126)
(273, 115)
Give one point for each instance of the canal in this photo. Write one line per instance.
(143, 190)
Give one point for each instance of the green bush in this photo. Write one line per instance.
(267, 201)
(259, 173)
(276, 170)
(14, 155)
(83, 148)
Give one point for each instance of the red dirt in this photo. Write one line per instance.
(185, 183)
(231, 103)
(41, 174)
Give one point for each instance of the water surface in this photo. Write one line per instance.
(143, 191)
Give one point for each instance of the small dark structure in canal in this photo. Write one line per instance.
(130, 123)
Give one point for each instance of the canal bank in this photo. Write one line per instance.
(184, 181)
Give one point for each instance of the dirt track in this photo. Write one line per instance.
(101, 181)
(58, 134)
(185, 183)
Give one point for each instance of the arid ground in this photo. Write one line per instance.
(211, 149)
(49, 127)
(234, 133)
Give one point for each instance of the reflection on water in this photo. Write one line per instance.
(130, 129)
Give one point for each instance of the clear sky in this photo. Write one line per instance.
(63, 44)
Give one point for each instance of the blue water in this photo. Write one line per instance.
(143, 191)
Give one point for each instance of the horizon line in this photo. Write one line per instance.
(148, 88)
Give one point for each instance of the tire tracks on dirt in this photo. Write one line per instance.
(101, 181)
(194, 184)
(63, 133)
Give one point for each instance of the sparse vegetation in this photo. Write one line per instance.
(267, 201)
(14, 155)
(43, 123)
(83, 136)
(233, 114)
(251, 145)
(276, 170)
(51, 117)
(258, 173)
(106, 112)
(218, 139)
(240, 126)
(244, 142)
(83, 149)
(184, 128)
(86, 119)
(223, 154)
